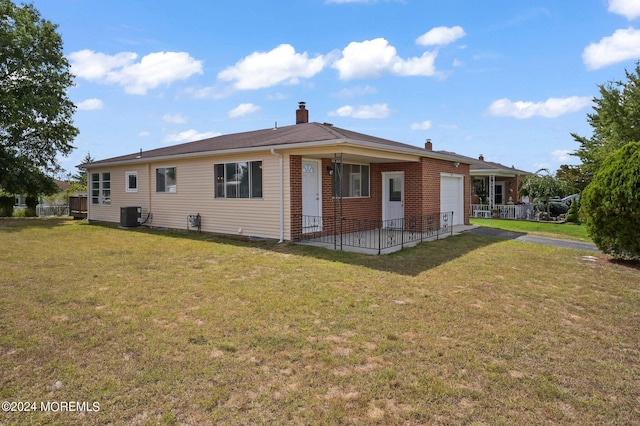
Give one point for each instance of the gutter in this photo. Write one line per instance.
(273, 152)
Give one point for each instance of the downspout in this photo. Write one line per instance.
(273, 152)
(149, 206)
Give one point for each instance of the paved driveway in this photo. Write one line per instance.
(520, 236)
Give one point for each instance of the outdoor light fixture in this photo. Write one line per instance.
(330, 170)
(456, 164)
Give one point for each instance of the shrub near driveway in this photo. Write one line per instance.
(163, 328)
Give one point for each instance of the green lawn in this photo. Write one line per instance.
(546, 229)
(172, 328)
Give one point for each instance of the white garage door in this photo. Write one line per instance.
(452, 197)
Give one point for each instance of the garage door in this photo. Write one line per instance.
(452, 197)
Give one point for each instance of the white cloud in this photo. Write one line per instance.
(439, 36)
(363, 111)
(267, 69)
(144, 134)
(371, 58)
(189, 136)
(243, 109)
(424, 125)
(153, 70)
(174, 118)
(621, 46)
(561, 154)
(628, 8)
(356, 92)
(90, 104)
(552, 107)
(92, 65)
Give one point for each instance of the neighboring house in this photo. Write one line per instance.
(272, 183)
(494, 188)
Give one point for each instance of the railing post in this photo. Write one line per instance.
(451, 234)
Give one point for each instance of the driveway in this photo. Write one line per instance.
(520, 236)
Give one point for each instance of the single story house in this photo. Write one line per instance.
(273, 183)
(500, 182)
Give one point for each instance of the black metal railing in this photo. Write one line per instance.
(371, 234)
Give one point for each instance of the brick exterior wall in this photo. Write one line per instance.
(295, 193)
(421, 189)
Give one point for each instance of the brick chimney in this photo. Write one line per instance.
(302, 113)
(481, 157)
(428, 145)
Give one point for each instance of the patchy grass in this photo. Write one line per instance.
(569, 231)
(166, 328)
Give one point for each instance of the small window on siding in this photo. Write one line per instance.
(106, 189)
(131, 179)
(166, 179)
(95, 189)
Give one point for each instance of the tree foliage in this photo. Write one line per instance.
(79, 180)
(611, 203)
(35, 113)
(615, 122)
(574, 176)
(542, 185)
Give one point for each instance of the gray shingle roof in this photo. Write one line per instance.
(267, 138)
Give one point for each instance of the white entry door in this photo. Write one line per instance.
(393, 197)
(311, 196)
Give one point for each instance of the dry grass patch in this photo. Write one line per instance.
(164, 328)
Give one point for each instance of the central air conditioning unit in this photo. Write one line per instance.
(129, 216)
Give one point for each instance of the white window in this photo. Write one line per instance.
(101, 189)
(355, 180)
(238, 180)
(166, 179)
(131, 181)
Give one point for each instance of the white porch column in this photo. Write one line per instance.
(492, 191)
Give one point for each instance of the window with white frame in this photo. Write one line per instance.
(131, 181)
(355, 181)
(238, 180)
(101, 189)
(166, 179)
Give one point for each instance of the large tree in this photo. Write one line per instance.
(615, 122)
(36, 116)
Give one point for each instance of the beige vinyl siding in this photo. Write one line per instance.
(119, 196)
(195, 194)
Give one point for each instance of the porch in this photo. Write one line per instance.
(502, 211)
(373, 236)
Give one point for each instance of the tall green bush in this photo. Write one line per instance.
(6, 204)
(611, 203)
(572, 215)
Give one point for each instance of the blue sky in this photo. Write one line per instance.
(507, 79)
